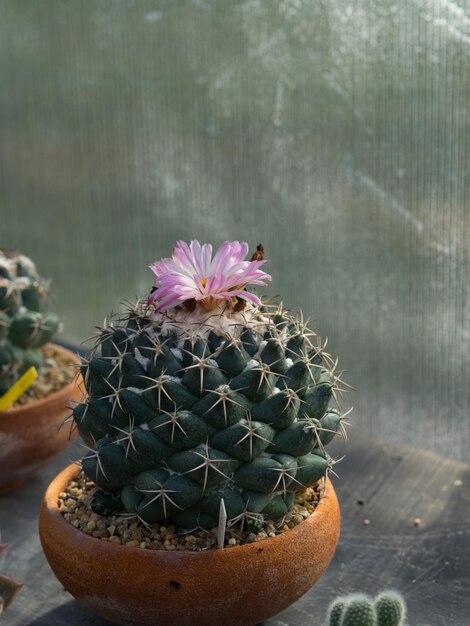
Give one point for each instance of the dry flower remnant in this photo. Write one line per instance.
(8, 587)
(190, 405)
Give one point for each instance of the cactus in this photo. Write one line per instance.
(203, 393)
(387, 609)
(8, 587)
(25, 326)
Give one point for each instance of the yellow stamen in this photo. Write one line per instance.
(203, 281)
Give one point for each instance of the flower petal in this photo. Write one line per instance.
(192, 273)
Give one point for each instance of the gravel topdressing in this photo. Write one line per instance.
(75, 506)
(56, 372)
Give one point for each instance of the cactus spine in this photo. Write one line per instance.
(25, 326)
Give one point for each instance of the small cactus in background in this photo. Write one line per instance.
(8, 587)
(202, 393)
(24, 324)
(387, 609)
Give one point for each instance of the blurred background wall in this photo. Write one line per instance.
(336, 133)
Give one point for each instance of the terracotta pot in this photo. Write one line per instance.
(238, 586)
(31, 435)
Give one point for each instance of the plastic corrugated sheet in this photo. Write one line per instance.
(336, 133)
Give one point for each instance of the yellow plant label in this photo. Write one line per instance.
(18, 388)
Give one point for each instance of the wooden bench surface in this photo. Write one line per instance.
(405, 526)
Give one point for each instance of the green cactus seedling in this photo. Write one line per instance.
(387, 609)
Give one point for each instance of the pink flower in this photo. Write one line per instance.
(191, 273)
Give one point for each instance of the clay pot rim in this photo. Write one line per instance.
(50, 513)
(64, 392)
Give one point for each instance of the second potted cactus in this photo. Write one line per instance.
(30, 429)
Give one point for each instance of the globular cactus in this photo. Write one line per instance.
(25, 326)
(387, 609)
(202, 393)
(8, 587)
